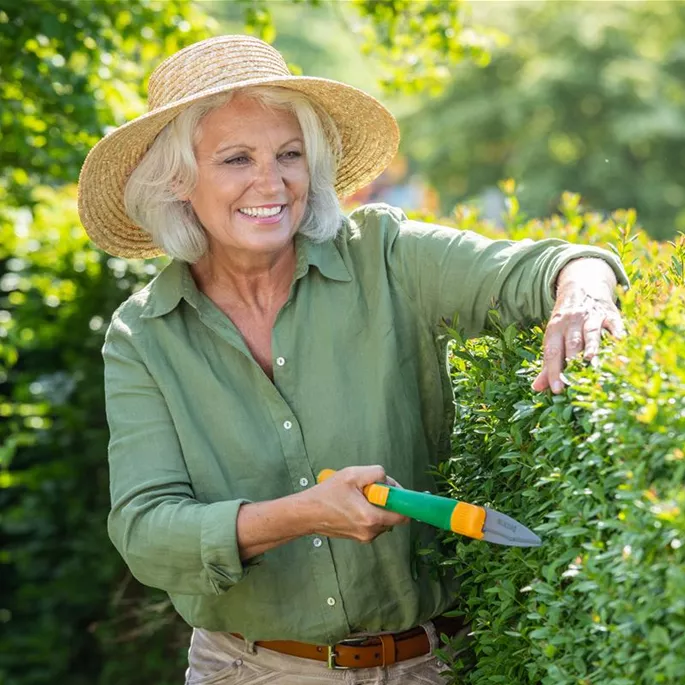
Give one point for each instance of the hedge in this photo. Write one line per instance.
(597, 472)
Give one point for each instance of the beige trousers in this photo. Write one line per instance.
(221, 659)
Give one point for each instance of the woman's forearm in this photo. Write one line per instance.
(334, 508)
(262, 526)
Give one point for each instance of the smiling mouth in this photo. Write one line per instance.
(262, 212)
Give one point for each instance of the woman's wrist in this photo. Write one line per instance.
(590, 275)
(264, 525)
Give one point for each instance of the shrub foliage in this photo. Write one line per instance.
(598, 472)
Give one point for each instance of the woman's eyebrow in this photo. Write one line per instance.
(225, 148)
(296, 139)
(230, 146)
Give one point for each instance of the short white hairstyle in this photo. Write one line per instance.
(168, 170)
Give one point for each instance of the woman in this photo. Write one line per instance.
(284, 338)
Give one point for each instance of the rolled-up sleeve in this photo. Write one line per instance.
(167, 538)
(452, 272)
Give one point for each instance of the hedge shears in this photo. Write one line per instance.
(480, 523)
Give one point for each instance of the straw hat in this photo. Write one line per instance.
(367, 130)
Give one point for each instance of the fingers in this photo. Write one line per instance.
(553, 357)
(592, 334)
(614, 324)
(343, 510)
(541, 382)
(364, 475)
(570, 333)
(390, 518)
(574, 340)
(393, 482)
(401, 520)
(372, 521)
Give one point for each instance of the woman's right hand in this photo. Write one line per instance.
(340, 510)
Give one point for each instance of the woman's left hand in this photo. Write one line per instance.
(584, 307)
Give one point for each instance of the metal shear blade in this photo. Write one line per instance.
(504, 530)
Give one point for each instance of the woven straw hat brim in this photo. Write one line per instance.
(368, 133)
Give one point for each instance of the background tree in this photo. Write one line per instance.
(588, 99)
(68, 608)
(70, 70)
(412, 41)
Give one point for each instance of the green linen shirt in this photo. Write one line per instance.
(197, 428)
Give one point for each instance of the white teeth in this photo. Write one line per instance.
(261, 211)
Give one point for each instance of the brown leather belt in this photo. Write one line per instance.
(366, 652)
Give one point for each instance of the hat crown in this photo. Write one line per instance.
(213, 63)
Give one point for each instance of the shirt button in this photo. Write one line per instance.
(304, 482)
(331, 601)
(238, 662)
(317, 542)
(280, 361)
(287, 425)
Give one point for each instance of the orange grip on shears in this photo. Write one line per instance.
(468, 519)
(377, 494)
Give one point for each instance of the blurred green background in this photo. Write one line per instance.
(560, 96)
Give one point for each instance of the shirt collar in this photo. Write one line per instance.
(175, 280)
(324, 256)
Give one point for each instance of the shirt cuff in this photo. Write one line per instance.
(219, 545)
(578, 252)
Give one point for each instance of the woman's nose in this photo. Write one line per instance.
(269, 178)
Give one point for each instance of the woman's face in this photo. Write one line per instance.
(253, 178)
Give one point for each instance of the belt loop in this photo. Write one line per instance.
(389, 652)
(432, 632)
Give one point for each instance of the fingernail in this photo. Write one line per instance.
(557, 386)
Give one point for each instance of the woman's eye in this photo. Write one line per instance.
(241, 160)
(236, 160)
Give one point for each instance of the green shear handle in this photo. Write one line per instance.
(480, 523)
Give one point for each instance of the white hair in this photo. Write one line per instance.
(168, 171)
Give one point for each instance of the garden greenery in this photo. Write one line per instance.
(598, 472)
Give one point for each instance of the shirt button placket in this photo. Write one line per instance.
(293, 452)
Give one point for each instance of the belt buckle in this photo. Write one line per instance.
(331, 660)
(331, 652)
